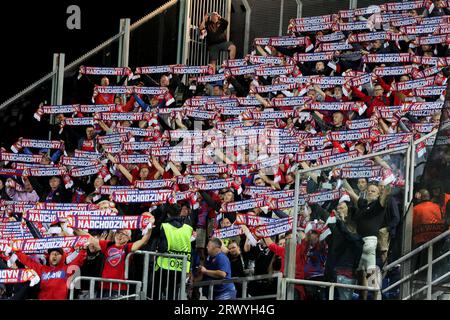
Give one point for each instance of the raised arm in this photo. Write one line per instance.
(122, 169)
(157, 165)
(274, 184)
(310, 174)
(203, 23)
(350, 191)
(143, 241)
(384, 195)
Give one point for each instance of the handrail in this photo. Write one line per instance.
(244, 280)
(414, 273)
(237, 280)
(90, 53)
(27, 89)
(92, 281)
(331, 284)
(417, 250)
(152, 253)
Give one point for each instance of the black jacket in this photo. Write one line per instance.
(345, 249)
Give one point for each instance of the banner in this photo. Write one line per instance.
(44, 244)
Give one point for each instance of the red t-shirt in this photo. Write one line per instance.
(114, 265)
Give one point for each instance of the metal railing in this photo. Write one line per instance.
(158, 274)
(331, 285)
(244, 281)
(410, 156)
(96, 288)
(429, 267)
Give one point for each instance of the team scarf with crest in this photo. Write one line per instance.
(66, 206)
(12, 276)
(108, 222)
(183, 69)
(273, 229)
(79, 162)
(34, 143)
(86, 171)
(20, 157)
(133, 159)
(137, 132)
(244, 205)
(235, 62)
(83, 121)
(52, 216)
(141, 196)
(154, 69)
(101, 71)
(264, 59)
(228, 232)
(108, 190)
(44, 244)
(113, 138)
(154, 184)
(208, 169)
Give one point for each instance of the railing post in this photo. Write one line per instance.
(280, 29)
(290, 261)
(244, 289)
(331, 293)
(124, 44)
(57, 85)
(145, 276)
(184, 48)
(408, 221)
(181, 22)
(92, 289)
(183, 279)
(248, 14)
(430, 272)
(299, 8)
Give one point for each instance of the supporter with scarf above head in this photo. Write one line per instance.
(214, 26)
(369, 218)
(54, 276)
(279, 249)
(18, 193)
(115, 252)
(88, 143)
(56, 192)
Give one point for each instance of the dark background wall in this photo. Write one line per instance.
(33, 31)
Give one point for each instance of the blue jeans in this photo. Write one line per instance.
(227, 295)
(344, 293)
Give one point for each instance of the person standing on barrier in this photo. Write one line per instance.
(369, 217)
(115, 253)
(216, 37)
(175, 238)
(217, 266)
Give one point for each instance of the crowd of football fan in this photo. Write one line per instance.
(337, 87)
